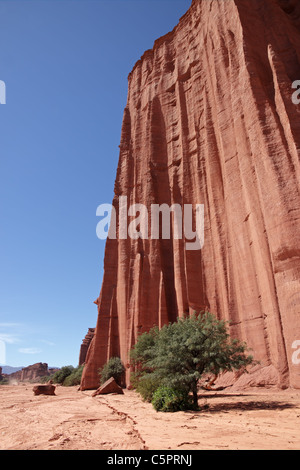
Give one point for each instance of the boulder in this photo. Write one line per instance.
(47, 389)
(110, 386)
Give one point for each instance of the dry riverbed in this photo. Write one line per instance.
(74, 420)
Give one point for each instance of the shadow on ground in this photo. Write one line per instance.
(244, 406)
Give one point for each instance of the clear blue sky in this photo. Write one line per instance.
(65, 65)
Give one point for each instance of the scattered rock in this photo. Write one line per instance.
(48, 389)
(110, 386)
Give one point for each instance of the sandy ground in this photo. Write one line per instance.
(74, 420)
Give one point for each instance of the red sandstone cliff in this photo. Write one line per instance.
(210, 120)
(85, 345)
(31, 373)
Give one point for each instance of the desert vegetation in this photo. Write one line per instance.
(113, 368)
(66, 376)
(169, 362)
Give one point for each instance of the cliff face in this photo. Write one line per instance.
(85, 345)
(31, 373)
(210, 120)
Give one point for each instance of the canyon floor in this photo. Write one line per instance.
(74, 420)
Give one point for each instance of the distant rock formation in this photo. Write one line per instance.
(210, 120)
(85, 345)
(32, 373)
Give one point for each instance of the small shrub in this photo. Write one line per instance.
(170, 399)
(74, 378)
(59, 376)
(146, 386)
(113, 368)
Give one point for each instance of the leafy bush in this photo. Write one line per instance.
(113, 368)
(171, 399)
(179, 354)
(146, 386)
(143, 351)
(74, 378)
(143, 379)
(60, 375)
(66, 376)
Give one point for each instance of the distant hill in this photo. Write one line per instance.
(10, 370)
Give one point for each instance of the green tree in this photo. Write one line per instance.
(113, 368)
(180, 353)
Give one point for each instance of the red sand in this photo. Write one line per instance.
(74, 420)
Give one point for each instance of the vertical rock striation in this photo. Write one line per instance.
(85, 345)
(31, 373)
(210, 120)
